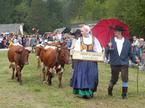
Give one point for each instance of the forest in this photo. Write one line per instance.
(48, 15)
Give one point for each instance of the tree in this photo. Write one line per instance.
(50, 14)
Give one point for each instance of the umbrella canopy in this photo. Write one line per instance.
(104, 30)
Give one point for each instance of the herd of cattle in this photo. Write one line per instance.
(52, 56)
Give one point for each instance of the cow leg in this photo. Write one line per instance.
(38, 61)
(16, 74)
(20, 78)
(18, 69)
(13, 69)
(43, 72)
(49, 74)
(13, 73)
(60, 73)
(44, 75)
(20, 75)
(60, 79)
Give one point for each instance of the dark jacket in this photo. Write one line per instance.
(126, 53)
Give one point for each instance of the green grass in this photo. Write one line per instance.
(34, 94)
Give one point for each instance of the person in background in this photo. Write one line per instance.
(33, 42)
(135, 41)
(143, 57)
(140, 49)
(4, 43)
(15, 39)
(75, 35)
(85, 75)
(19, 37)
(24, 40)
(120, 51)
(27, 44)
(65, 34)
(68, 42)
(10, 40)
(1, 38)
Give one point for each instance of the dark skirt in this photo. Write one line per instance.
(85, 77)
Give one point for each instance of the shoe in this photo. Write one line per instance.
(124, 96)
(110, 91)
(87, 97)
(124, 92)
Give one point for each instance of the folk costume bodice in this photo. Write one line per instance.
(87, 46)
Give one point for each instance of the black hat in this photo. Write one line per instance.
(77, 33)
(119, 28)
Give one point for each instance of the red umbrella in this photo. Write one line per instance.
(104, 30)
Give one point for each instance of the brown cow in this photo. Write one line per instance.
(19, 55)
(54, 57)
(40, 47)
(38, 50)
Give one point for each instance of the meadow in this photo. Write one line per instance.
(34, 94)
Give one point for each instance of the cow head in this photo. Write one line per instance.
(22, 56)
(64, 55)
(38, 50)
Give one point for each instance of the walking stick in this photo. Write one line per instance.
(137, 76)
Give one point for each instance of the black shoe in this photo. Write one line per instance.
(124, 92)
(110, 94)
(87, 97)
(124, 96)
(110, 91)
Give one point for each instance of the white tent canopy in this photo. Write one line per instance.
(11, 28)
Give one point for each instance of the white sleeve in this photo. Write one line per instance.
(73, 43)
(77, 45)
(97, 45)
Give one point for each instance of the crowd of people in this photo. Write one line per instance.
(138, 50)
(25, 40)
(33, 40)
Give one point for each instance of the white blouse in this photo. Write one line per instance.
(88, 40)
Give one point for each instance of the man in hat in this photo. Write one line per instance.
(119, 50)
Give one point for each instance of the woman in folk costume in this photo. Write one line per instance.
(85, 75)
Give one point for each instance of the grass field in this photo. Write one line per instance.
(34, 94)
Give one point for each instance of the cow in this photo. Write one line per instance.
(38, 50)
(54, 57)
(18, 57)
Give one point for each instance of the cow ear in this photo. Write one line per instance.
(19, 50)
